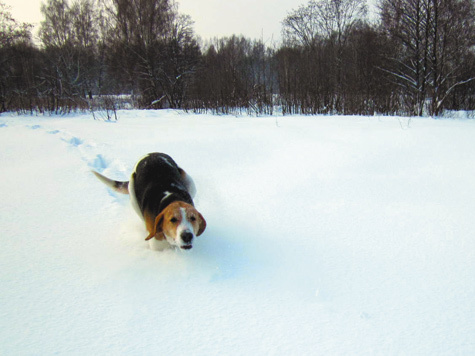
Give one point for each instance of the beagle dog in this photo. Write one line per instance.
(162, 195)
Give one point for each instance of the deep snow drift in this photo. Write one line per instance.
(326, 236)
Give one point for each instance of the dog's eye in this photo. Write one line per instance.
(192, 218)
(173, 220)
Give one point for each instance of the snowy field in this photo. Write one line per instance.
(326, 236)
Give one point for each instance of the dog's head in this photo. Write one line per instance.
(179, 223)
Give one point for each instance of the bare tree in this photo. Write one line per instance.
(323, 19)
(178, 60)
(329, 22)
(11, 31)
(70, 34)
(15, 43)
(155, 46)
(302, 26)
(235, 74)
(432, 37)
(453, 32)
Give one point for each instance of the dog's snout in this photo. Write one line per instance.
(186, 237)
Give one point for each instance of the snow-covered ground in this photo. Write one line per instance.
(326, 236)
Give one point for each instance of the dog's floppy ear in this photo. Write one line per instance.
(202, 225)
(157, 227)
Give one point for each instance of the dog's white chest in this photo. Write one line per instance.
(159, 245)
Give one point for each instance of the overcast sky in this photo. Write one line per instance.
(213, 18)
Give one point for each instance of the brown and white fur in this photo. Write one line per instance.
(162, 195)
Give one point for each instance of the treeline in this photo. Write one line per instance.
(416, 59)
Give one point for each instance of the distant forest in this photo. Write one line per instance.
(416, 58)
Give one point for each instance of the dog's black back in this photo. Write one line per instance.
(158, 182)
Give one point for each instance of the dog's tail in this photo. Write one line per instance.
(121, 187)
